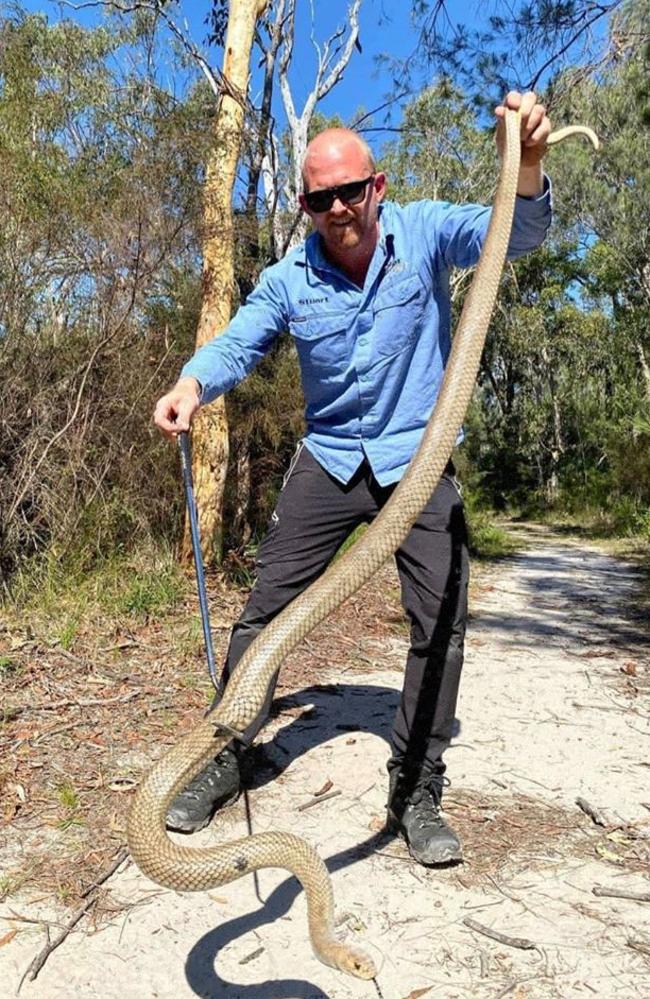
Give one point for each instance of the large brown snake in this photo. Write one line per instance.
(197, 869)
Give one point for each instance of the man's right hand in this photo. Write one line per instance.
(174, 411)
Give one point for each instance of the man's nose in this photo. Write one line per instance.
(338, 206)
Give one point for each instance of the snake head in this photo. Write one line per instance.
(356, 963)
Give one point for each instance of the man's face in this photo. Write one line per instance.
(343, 226)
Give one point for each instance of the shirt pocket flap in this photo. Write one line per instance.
(407, 289)
(316, 327)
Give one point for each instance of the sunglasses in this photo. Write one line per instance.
(350, 194)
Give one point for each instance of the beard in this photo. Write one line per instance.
(344, 234)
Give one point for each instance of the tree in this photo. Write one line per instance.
(333, 59)
(612, 207)
(268, 224)
(210, 436)
(523, 43)
(98, 216)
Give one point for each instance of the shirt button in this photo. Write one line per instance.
(363, 340)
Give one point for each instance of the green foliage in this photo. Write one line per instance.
(68, 633)
(357, 533)
(63, 595)
(515, 48)
(487, 539)
(265, 414)
(100, 272)
(149, 593)
(67, 795)
(442, 153)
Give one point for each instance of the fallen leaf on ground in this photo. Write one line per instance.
(123, 784)
(416, 993)
(609, 855)
(8, 937)
(20, 791)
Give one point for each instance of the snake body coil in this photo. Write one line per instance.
(187, 868)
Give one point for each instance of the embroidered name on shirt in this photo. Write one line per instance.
(312, 301)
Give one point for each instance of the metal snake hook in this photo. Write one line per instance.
(186, 466)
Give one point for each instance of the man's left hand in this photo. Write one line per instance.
(535, 126)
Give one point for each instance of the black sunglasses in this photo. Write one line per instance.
(350, 194)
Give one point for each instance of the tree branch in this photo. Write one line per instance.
(218, 83)
(339, 67)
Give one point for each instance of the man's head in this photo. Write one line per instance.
(336, 158)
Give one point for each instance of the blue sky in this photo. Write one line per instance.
(385, 29)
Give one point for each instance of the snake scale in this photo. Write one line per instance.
(187, 868)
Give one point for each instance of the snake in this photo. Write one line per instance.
(187, 868)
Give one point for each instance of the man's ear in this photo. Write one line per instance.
(379, 185)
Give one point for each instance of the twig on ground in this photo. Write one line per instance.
(393, 856)
(640, 945)
(51, 945)
(70, 656)
(252, 956)
(324, 789)
(508, 988)
(38, 739)
(8, 714)
(520, 942)
(28, 919)
(635, 896)
(121, 855)
(317, 801)
(56, 731)
(591, 811)
(77, 915)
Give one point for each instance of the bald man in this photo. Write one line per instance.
(366, 300)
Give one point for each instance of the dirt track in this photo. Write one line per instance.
(554, 705)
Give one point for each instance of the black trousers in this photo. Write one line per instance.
(315, 513)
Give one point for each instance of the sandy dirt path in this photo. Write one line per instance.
(552, 708)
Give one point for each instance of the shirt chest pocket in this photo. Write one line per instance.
(398, 311)
(322, 342)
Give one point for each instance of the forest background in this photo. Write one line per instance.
(106, 127)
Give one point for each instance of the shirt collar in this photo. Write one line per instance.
(314, 255)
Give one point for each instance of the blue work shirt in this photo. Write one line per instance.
(372, 358)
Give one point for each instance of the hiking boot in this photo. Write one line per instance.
(213, 788)
(414, 813)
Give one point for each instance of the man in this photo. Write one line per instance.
(366, 300)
